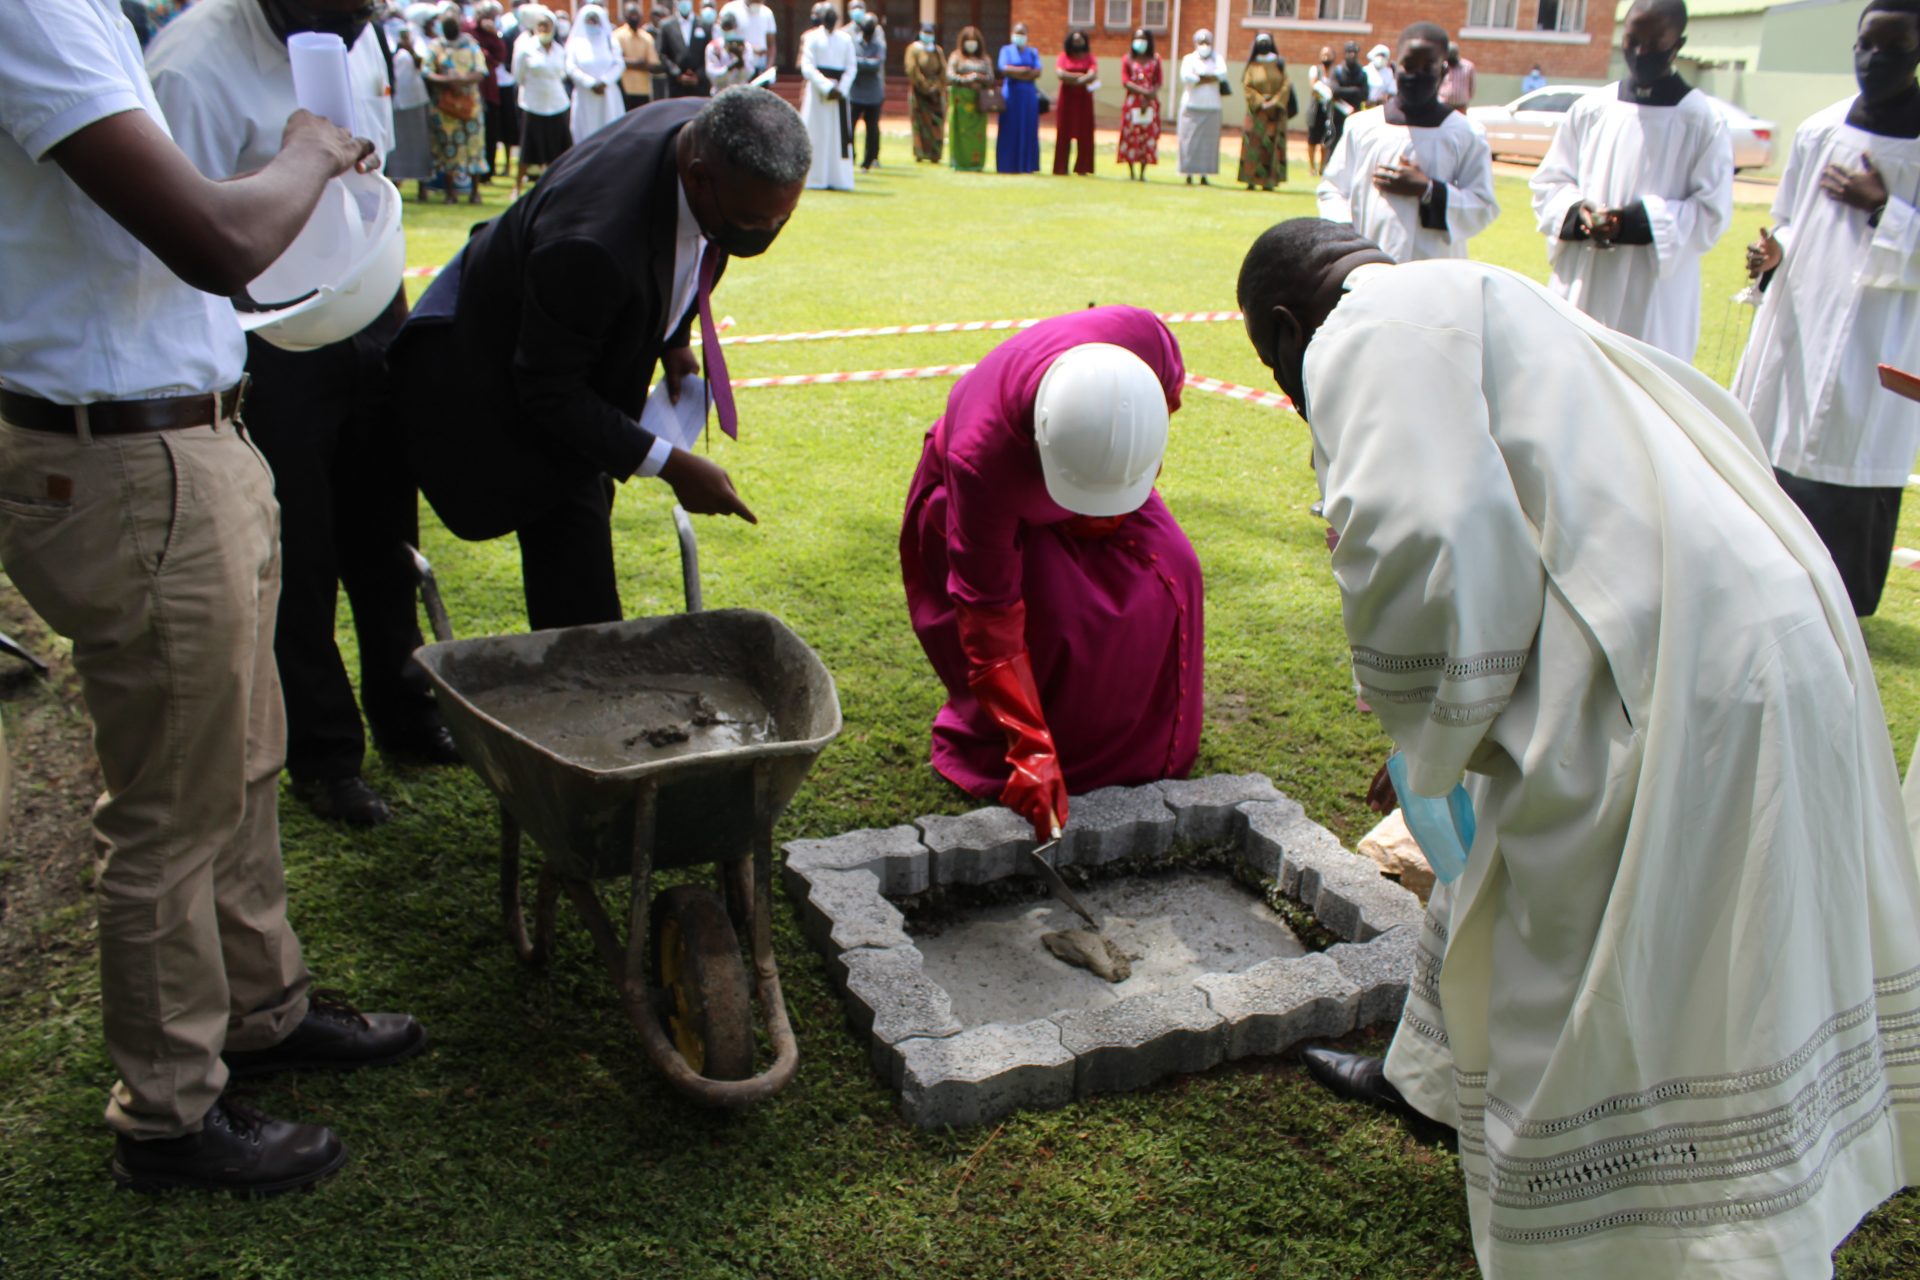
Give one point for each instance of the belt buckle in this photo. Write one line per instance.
(240, 402)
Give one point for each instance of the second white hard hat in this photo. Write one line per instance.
(1100, 422)
(339, 274)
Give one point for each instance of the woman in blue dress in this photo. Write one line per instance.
(1017, 149)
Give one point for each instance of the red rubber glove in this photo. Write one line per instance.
(1037, 791)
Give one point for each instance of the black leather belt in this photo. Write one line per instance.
(123, 417)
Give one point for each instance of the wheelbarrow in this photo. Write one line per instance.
(654, 744)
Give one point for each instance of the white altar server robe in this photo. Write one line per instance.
(1455, 152)
(832, 156)
(594, 59)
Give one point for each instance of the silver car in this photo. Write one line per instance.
(1523, 129)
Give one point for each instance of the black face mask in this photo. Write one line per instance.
(730, 237)
(1326, 62)
(450, 29)
(828, 21)
(1885, 73)
(1418, 89)
(1650, 66)
(286, 17)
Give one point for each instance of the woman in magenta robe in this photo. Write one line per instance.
(1108, 609)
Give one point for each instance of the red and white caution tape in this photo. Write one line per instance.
(1231, 390)
(1906, 558)
(953, 326)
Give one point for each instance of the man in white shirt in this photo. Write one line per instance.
(137, 521)
(757, 25)
(1841, 271)
(1668, 995)
(223, 77)
(1415, 177)
(1635, 189)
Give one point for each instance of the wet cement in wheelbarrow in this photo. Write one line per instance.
(611, 728)
(1174, 927)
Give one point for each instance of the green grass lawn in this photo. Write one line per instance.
(534, 1140)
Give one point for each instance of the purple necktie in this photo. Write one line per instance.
(710, 354)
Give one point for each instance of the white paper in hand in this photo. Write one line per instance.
(678, 424)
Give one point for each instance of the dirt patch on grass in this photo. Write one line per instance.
(46, 859)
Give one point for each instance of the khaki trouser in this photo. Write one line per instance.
(158, 555)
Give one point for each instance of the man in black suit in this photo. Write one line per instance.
(682, 41)
(525, 366)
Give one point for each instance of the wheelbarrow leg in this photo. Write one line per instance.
(533, 950)
(773, 1006)
(689, 559)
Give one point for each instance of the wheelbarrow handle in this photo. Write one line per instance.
(430, 594)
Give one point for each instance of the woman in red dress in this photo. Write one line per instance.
(1142, 74)
(1073, 114)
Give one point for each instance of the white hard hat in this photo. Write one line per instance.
(339, 274)
(1100, 421)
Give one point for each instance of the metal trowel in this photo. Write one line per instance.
(1059, 885)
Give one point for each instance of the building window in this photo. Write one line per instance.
(1495, 13)
(1079, 13)
(1119, 14)
(1562, 15)
(1153, 14)
(1344, 10)
(1273, 8)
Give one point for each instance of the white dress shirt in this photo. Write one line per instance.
(541, 70)
(226, 84)
(1201, 97)
(87, 313)
(756, 24)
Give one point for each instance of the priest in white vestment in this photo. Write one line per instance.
(594, 64)
(827, 65)
(1415, 177)
(1843, 297)
(1672, 1005)
(1635, 189)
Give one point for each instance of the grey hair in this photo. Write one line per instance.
(755, 131)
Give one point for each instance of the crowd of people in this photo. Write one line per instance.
(1668, 991)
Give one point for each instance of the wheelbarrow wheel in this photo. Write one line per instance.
(708, 1004)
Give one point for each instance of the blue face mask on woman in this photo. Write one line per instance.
(1140, 47)
(1019, 40)
(706, 16)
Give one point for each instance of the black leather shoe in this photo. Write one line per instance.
(334, 1036)
(1355, 1077)
(435, 746)
(349, 800)
(237, 1150)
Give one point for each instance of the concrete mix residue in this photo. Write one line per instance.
(610, 728)
(1173, 927)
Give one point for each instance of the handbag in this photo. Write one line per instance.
(461, 106)
(991, 101)
(1046, 104)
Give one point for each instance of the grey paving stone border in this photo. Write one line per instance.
(950, 1074)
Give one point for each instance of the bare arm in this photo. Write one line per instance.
(216, 236)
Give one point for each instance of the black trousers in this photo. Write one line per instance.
(562, 513)
(634, 101)
(869, 112)
(347, 506)
(1858, 525)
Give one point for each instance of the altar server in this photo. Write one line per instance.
(1671, 1001)
(827, 65)
(1416, 177)
(1843, 296)
(1636, 187)
(1049, 585)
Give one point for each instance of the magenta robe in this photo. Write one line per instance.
(1113, 624)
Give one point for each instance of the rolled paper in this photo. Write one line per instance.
(321, 83)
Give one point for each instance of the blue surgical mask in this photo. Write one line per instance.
(855, 14)
(685, 7)
(927, 41)
(1019, 41)
(1139, 46)
(706, 16)
(1443, 826)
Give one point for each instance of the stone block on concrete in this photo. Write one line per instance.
(1135, 1042)
(1384, 905)
(1380, 969)
(1206, 810)
(889, 998)
(894, 854)
(982, 1074)
(843, 910)
(1307, 851)
(1114, 823)
(978, 847)
(1265, 820)
(1278, 1003)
